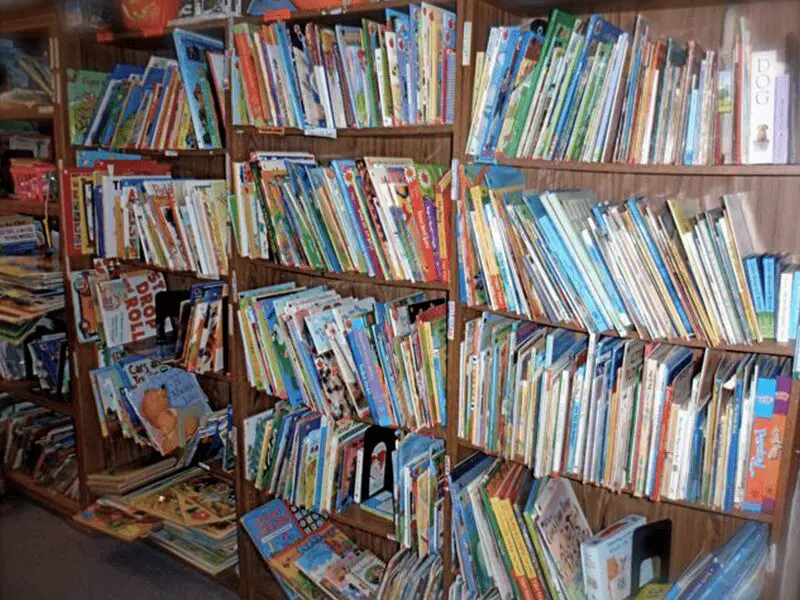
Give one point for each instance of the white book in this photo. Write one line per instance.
(784, 305)
(764, 68)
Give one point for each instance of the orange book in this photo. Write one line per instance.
(766, 444)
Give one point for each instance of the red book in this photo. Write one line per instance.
(250, 77)
(425, 249)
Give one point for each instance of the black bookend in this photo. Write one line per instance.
(653, 540)
(168, 306)
(379, 444)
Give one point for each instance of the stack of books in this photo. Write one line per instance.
(134, 210)
(309, 557)
(167, 105)
(382, 217)
(674, 271)
(377, 361)
(419, 483)
(585, 90)
(33, 286)
(29, 80)
(191, 514)
(41, 444)
(652, 420)
(397, 73)
(408, 575)
(127, 479)
(515, 535)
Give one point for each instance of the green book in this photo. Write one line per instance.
(559, 30)
(84, 90)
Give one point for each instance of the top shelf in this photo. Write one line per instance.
(327, 15)
(527, 8)
(676, 170)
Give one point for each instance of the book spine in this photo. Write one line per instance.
(784, 304)
(761, 133)
(783, 88)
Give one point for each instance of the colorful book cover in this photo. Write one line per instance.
(84, 91)
(191, 49)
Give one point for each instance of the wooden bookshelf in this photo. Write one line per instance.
(777, 187)
(31, 392)
(768, 347)
(12, 205)
(26, 113)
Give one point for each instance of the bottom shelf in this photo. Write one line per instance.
(49, 498)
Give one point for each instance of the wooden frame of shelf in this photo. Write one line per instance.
(52, 500)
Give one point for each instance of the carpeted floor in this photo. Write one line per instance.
(44, 558)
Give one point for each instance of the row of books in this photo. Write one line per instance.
(419, 491)
(409, 576)
(674, 271)
(653, 420)
(516, 535)
(33, 287)
(41, 444)
(191, 514)
(153, 404)
(382, 217)
(382, 361)
(585, 90)
(317, 78)
(309, 556)
(524, 537)
(134, 210)
(169, 104)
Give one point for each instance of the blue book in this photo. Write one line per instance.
(691, 132)
(770, 265)
(752, 267)
(340, 167)
(794, 306)
(366, 369)
(98, 123)
(566, 262)
(272, 528)
(401, 25)
(304, 193)
(191, 48)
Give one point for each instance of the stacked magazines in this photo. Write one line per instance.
(30, 287)
(348, 356)
(674, 270)
(382, 217)
(399, 72)
(585, 90)
(653, 420)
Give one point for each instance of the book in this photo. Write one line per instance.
(84, 89)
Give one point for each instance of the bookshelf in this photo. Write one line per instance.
(776, 186)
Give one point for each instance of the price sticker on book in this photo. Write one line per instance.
(451, 320)
(466, 49)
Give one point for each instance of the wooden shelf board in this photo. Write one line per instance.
(140, 264)
(215, 468)
(739, 514)
(354, 277)
(26, 113)
(30, 392)
(340, 12)
(49, 498)
(356, 517)
(155, 35)
(407, 131)
(12, 205)
(677, 170)
(770, 347)
(158, 153)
